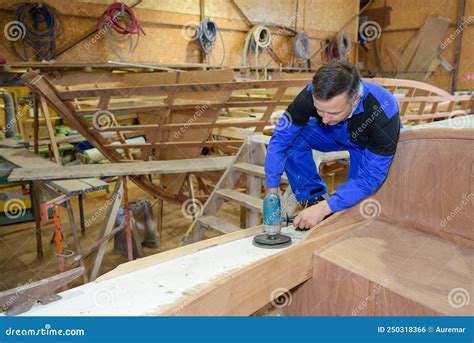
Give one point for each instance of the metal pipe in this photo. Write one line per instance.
(9, 113)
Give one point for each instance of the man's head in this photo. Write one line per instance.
(336, 91)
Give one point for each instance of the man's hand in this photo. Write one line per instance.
(311, 216)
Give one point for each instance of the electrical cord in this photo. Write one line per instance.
(301, 46)
(344, 44)
(40, 26)
(116, 13)
(206, 34)
(258, 38)
(121, 25)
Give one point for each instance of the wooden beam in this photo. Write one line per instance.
(178, 252)
(251, 288)
(183, 107)
(121, 169)
(192, 144)
(268, 112)
(179, 88)
(457, 47)
(49, 126)
(191, 126)
(111, 217)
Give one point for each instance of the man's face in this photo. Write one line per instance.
(336, 109)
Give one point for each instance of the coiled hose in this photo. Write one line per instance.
(121, 24)
(344, 45)
(301, 46)
(38, 27)
(206, 34)
(258, 38)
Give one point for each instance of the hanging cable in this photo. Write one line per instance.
(119, 12)
(301, 46)
(258, 38)
(344, 45)
(39, 27)
(206, 34)
(121, 24)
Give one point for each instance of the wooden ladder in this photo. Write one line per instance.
(249, 160)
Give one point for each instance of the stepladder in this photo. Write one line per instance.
(247, 168)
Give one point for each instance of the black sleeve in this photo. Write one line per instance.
(301, 108)
(384, 135)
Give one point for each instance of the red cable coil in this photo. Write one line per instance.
(113, 16)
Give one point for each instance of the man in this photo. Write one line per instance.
(336, 111)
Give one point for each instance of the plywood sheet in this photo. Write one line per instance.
(416, 266)
(430, 185)
(332, 291)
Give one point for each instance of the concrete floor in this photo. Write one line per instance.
(18, 262)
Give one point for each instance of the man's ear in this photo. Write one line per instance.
(356, 100)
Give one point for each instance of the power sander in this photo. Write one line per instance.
(272, 220)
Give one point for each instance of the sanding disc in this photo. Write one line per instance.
(271, 241)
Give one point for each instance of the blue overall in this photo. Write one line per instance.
(371, 145)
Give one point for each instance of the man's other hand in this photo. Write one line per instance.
(311, 216)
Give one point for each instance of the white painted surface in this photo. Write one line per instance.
(460, 122)
(154, 288)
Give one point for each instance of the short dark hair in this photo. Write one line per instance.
(335, 78)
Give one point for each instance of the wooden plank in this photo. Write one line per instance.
(255, 170)
(122, 169)
(179, 88)
(176, 144)
(96, 184)
(388, 303)
(218, 224)
(25, 159)
(450, 153)
(331, 291)
(436, 115)
(232, 132)
(191, 126)
(49, 125)
(251, 288)
(77, 244)
(214, 202)
(423, 49)
(111, 217)
(23, 297)
(157, 134)
(243, 199)
(71, 187)
(401, 83)
(74, 187)
(416, 99)
(188, 106)
(256, 156)
(268, 112)
(36, 205)
(152, 260)
(396, 257)
(200, 114)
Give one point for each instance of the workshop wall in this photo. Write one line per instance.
(167, 42)
(404, 19)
